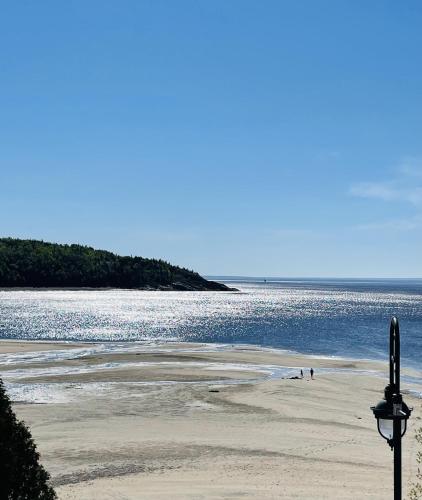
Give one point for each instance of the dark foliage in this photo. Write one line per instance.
(416, 490)
(31, 263)
(22, 477)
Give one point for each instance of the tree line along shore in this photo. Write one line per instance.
(37, 264)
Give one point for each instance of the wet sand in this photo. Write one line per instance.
(185, 422)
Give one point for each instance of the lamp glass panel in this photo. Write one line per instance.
(386, 428)
(403, 427)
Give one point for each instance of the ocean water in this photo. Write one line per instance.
(321, 317)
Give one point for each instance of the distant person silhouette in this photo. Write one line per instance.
(312, 373)
(301, 373)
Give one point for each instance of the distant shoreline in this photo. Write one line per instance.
(106, 288)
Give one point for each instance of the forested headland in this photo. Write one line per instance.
(32, 263)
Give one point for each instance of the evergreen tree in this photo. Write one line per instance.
(22, 476)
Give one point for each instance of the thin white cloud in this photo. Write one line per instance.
(393, 225)
(380, 190)
(173, 236)
(287, 233)
(411, 167)
(387, 192)
(406, 186)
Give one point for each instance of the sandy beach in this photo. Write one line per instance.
(188, 421)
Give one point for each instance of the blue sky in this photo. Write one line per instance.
(273, 138)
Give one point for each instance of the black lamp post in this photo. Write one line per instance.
(392, 412)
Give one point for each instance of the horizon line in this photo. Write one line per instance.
(273, 278)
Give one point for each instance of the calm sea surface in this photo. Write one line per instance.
(327, 317)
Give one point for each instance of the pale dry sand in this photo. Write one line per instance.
(13, 346)
(261, 439)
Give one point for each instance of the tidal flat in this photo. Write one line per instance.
(189, 421)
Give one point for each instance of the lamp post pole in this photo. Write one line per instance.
(397, 460)
(397, 402)
(392, 412)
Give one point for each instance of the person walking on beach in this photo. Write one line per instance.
(312, 373)
(301, 373)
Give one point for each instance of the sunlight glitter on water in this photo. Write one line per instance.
(313, 318)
